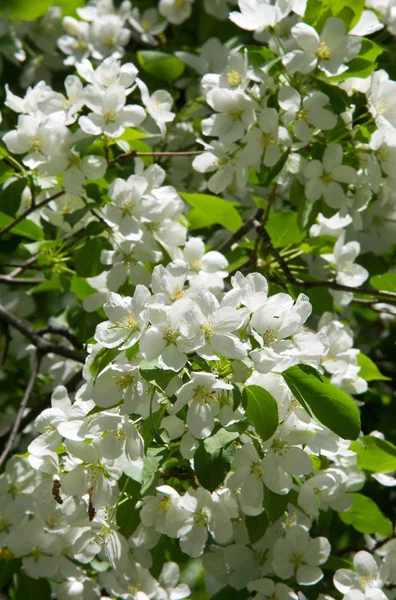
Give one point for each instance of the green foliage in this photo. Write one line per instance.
(365, 516)
(262, 411)
(11, 195)
(376, 456)
(212, 460)
(284, 230)
(160, 65)
(25, 228)
(23, 9)
(330, 405)
(386, 282)
(211, 210)
(369, 370)
(27, 588)
(318, 11)
(101, 360)
(257, 526)
(152, 373)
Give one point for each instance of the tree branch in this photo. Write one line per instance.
(135, 153)
(241, 232)
(15, 428)
(21, 281)
(34, 412)
(27, 212)
(42, 345)
(332, 285)
(62, 331)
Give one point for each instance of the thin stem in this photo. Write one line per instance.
(22, 281)
(42, 345)
(15, 428)
(27, 212)
(333, 285)
(241, 232)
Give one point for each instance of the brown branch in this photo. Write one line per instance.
(35, 411)
(21, 281)
(270, 202)
(26, 265)
(27, 212)
(307, 285)
(18, 420)
(135, 153)
(241, 232)
(42, 345)
(62, 331)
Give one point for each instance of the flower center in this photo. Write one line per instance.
(323, 51)
(280, 447)
(109, 116)
(129, 323)
(234, 113)
(270, 336)
(302, 114)
(171, 335)
(327, 179)
(165, 505)
(177, 294)
(36, 144)
(209, 330)
(233, 78)
(366, 579)
(296, 559)
(200, 518)
(257, 470)
(179, 3)
(125, 381)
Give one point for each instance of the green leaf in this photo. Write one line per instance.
(369, 370)
(25, 228)
(128, 517)
(230, 593)
(102, 359)
(336, 562)
(160, 65)
(322, 244)
(330, 405)
(376, 456)
(154, 374)
(262, 411)
(275, 504)
(81, 288)
(267, 176)
(386, 282)
(318, 11)
(306, 213)
(257, 526)
(219, 440)
(151, 463)
(211, 468)
(211, 210)
(8, 568)
(27, 588)
(87, 259)
(365, 516)
(284, 230)
(48, 285)
(10, 197)
(28, 11)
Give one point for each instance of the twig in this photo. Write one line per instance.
(62, 331)
(270, 202)
(332, 285)
(34, 412)
(135, 153)
(27, 212)
(21, 281)
(42, 345)
(26, 265)
(15, 428)
(241, 232)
